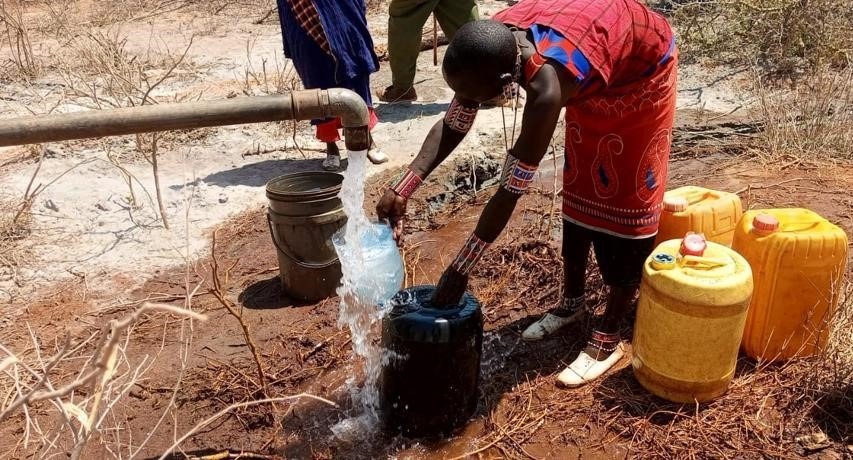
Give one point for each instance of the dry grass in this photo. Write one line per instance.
(276, 77)
(785, 38)
(12, 231)
(800, 52)
(766, 412)
(76, 395)
(114, 11)
(64, 394)
(813, 119)
(18, 39)
(100, 72)
(16, 222)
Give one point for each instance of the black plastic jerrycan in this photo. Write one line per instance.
(428, 386)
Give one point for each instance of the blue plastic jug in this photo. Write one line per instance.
(379, 273)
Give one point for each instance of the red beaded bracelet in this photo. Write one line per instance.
(406, 186)
(470, 254)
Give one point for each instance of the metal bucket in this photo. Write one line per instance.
(304, 212)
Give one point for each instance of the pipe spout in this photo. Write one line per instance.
(299, 105)
(339, 103)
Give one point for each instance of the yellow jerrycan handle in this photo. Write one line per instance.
(701, 262)
(764, 224)
(696, 196)
(692, 253)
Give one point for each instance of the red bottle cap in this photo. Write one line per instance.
(693, 244)
(765, 223)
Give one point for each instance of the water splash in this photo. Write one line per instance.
(496, 349)
(372, 272)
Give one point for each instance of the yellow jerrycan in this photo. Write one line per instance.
(798, 259)
(690, 316)
(712, 213)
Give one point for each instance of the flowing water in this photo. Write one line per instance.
(372, 272)
(368, 275)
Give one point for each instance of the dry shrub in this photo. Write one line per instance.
(812, 119)
(833, 380)
(263, 10)
(16, 224)
(67, 397)
(101, 72)
(15, 221)
(784, 37)
(276, 77)
(14, 227)
(16, 36)
(114, 11)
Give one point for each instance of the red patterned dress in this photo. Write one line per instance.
(619, 125)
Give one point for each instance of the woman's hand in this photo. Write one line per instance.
(393, 207)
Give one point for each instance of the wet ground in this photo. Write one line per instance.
(521, 412)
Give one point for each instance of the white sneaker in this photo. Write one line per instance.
(377, 156)
(332, 163)
(585, 368)
(549, 324)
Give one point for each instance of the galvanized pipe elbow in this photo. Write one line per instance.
(349, 106)
(355, 117)
(336, 103)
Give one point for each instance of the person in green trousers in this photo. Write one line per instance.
(405, 29)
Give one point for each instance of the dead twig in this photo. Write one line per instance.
(39, 384)
(265, 16)
(216, 290)
(152, 159)
(241, 455)
(762, 187)
(232, 407)
(434, 41)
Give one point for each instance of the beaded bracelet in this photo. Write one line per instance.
(517, 175)
(604, 341)
(470, 254)
(408, 183)
(460, 118)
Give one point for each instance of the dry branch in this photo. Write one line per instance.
(217, 292)
(92, 394)
(152, 159)
(232, 407)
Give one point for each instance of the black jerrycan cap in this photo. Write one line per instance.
(413, 316)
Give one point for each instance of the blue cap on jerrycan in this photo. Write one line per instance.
(693, 244)
(663, 261)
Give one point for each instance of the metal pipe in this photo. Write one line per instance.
(298, 105)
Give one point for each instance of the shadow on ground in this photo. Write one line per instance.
(265, 294)
(258, 174)
(396, 113)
